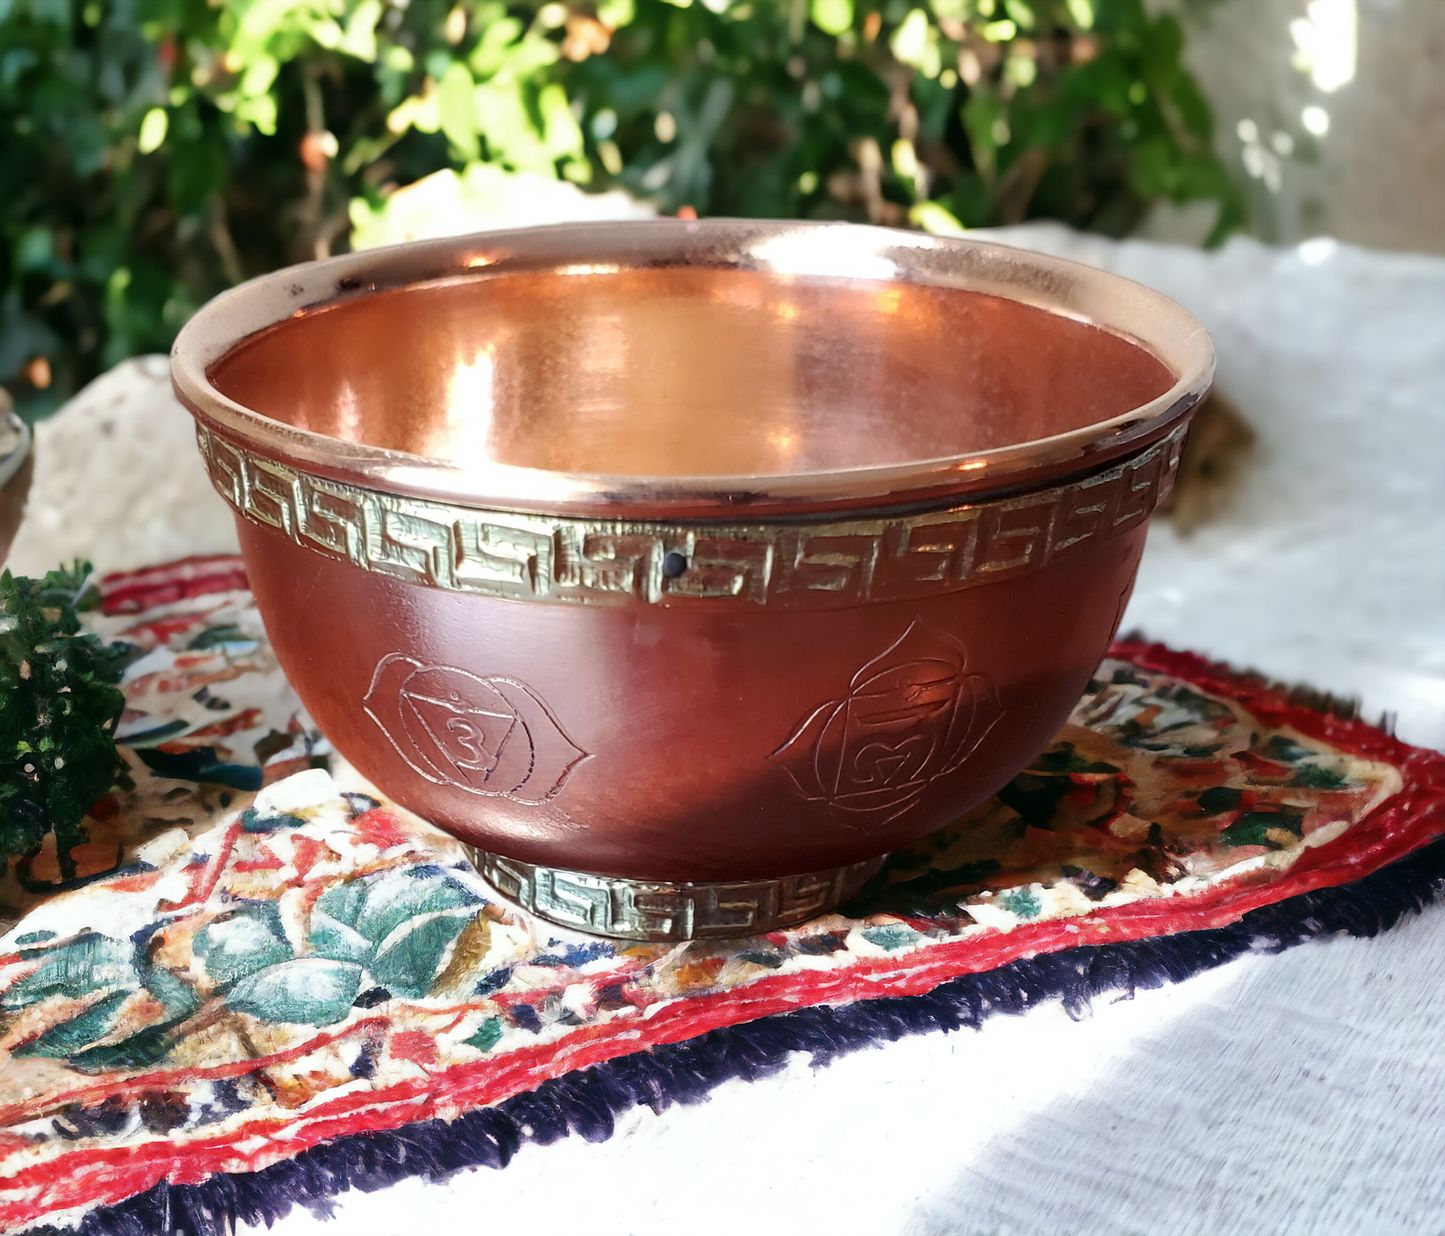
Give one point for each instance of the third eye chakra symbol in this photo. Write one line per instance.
(489, 736)
(911, 715)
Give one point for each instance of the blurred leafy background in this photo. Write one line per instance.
(154, 152)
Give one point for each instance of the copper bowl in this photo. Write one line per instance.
(685, 569)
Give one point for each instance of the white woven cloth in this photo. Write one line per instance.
(1302, 1093)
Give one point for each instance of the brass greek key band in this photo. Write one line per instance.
(660, 911)
(820, 563)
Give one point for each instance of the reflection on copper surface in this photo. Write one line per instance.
(686, 372)
(589, 268)
(807, 251)
(889, 300)
(785, 443)
(348, 410)
(471, 396)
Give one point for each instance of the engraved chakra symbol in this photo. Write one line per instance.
(489, 736)
(911, 716)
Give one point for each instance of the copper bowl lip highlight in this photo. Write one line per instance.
(844, 251)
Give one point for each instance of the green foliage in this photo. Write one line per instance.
(59, 706)
(991, 112)
(153, 152)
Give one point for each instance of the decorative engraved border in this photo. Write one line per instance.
(668, 912)
(811, 564)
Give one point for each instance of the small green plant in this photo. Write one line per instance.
(59, 706)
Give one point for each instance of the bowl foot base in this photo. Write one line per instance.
(665, 911)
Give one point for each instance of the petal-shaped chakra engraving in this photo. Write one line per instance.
(911, 715)
(489, 736)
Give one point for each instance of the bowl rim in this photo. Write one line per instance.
(815, 250)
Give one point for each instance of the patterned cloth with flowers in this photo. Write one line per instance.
(281, 960)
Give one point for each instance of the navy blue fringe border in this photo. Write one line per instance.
(588, 1101)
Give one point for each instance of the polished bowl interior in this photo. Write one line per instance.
(691, 551)
(687, 372)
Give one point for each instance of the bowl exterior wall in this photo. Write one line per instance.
(693, 741)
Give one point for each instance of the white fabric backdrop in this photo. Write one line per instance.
(1299, 1093)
